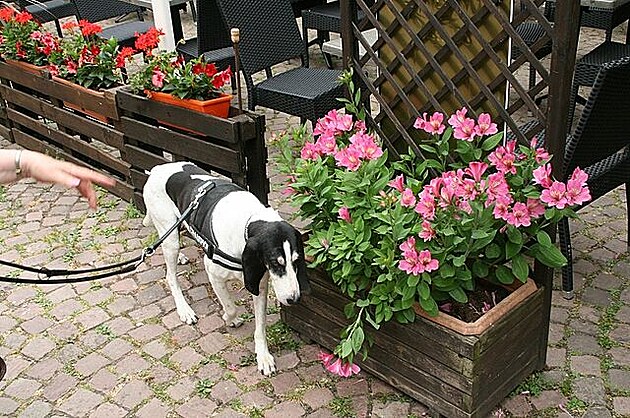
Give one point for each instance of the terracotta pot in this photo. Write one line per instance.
(219, 107)
(27, 66)
(86, 91)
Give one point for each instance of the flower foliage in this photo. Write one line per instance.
(420, 232)
(87, 59)
(22, 38)
(168, 73)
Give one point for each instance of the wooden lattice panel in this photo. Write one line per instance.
(447, 54)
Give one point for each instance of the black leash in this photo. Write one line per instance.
(122, 267)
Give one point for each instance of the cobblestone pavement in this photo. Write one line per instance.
(117, 348)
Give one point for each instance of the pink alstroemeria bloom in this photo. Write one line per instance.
(535, 207)
(309, 151)
(485, 126)
(326, 144)
(577, 193)
(555, 195)
(325, 358)
(476, 169)
(519, 216)
(409, 246)
(458, 118)
(349, 157)
(366, 145)
(542, 176)
(426, 205)
(408, 199)
(427, 233)
(344, 214)
(579, 176)
(433, 125)
(158, 79)
(466, 130)
(342, 369)
(327, 123)
(398, 183)
(502, 207)
(428, 264)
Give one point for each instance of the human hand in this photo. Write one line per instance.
(49, 170)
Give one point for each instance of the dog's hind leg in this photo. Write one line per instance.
(266, 362)
(218, 277)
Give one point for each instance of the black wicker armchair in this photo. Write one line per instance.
(48, 11)
(213, 37)
(600, 145)
(269, 36)
(98, 10)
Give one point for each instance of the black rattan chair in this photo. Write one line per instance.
(213, 37)
(97, 10)
(324, 18)
(269, 36)
(600, 145)
(48, 11)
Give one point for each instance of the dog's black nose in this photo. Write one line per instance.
(293, 301)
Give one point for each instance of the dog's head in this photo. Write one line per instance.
(275, 247)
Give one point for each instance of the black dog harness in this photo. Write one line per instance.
(182, 188)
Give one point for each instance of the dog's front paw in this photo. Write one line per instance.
(266, 363)
(232, 320)
(187, 315)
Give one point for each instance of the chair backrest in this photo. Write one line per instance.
(97, 10)
(603, 126)
(269, 32)
(212, 32)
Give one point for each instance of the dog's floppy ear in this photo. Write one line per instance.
(253, 267)
(300, 265)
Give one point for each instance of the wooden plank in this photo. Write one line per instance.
(62, 139)
(141, 159)
(5, 132)
(96, 102)
(120, 189)
(184, 145)
(65, 118)
(219, 128)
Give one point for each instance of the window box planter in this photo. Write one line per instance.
(453, 374)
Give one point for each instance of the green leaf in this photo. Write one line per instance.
(493, 251)
(504, 275)
(480, 269)
(543, 239)
(520, 268)
(550, 256)
(412, 280)
(423, 289)
(459, 295)
(511, 249)
(429, 306)
(357, 339)
(514, 235)
(491, 142)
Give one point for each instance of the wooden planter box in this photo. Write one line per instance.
(454, 375)
(155, 133)
(39, 120)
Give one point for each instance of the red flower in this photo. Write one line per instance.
(23, 17)
(210, 70)
(124, 54)
(7, 13)
(148, 41)
(89, 28)
(70, 25)
(197, 68)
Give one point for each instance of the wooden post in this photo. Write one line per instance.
(566, 30)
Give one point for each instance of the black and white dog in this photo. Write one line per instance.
(241, 237)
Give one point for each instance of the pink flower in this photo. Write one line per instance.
(288, 191)
(309, 151)
(426, 205)
(485, 126)
(428, 264)
(555, 195)
(542, 176)
(466, 130)
(476, 169)
(541, 154)
(326, 144)
(502, 206)
(535, 208)
(413, 262)
(433, 125)
(408, 199)
(349, 157)
(497, 186)
(342, 369)
(503, 158)
(409, 246)
(344, 214)
(158, 79)
(398, 183)
(427, 233)
(325, 358)
(519, 216)
(458, 118)
(579, 176)
(366, 145)
(577, 190)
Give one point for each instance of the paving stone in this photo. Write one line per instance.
(92, 318)
(182, 389)
(555, 377)
(313, 373)
(121, 305)
(287, 361)
(69, 353)
(44, 369)
(586, 365)
(607, 281)
(584, 327)
(81, 403)
(6, 323)
(89, 364)
(22, 388)
(225, 391)
(20, 295)
(229, 413)
(28, 311)
(255, 399)
(59, 386)
(619, 379)
(213, 343)
(156, 349)
(65, 309)
(103, 380)
(590, 390)
(556, 357)
(108, 410)
(184, 335)
(547, 399)
(622, 405)
(117, 348)
(316, 397)
(150, 294)
(596, 297)
(517, 405)
(284, 382)
(196, 407)
(160, 374)
(133, 394)
(588, 313)
(97, 296)
(36, 325)
(597, 412)
(556, 333)
(132, 363)
(153, 409)
(120, 326)
(64, 331)
(38, 348)
(7, 406)
(208, 324)
(584, 344)
(36, 409)
(213, 371)
(285, 409)
(186, 358)
(145, 312)
(93, 339)
(352, 387)
(390, 409)
(325, 413)
(620, 356)
(621, 333)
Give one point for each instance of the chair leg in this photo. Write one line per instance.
(305, 40)
(572, 104)
(193, 10)
(58, 26)
(628, 212)
(565, 248)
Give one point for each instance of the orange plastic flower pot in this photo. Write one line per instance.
(219, 106)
